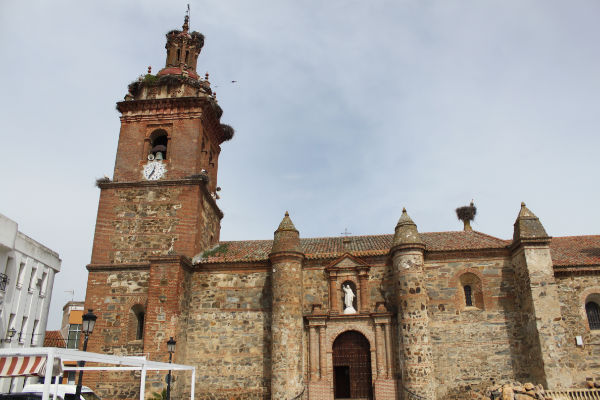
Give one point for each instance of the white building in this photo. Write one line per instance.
(27, 271)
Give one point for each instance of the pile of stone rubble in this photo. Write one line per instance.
(516, 391)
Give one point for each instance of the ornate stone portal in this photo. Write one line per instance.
(350, 351)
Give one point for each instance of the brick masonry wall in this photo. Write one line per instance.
(471, 346)
(112, 294)
(184, 151)
(584, 361)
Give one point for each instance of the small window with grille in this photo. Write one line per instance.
(471, 295)
(468, 295)
(592, 309)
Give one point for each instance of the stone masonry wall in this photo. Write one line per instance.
(583, 360)
(137, 222)
(473, 346)
(287, 379)
(543, 327)
(414, 337)
(228, 334)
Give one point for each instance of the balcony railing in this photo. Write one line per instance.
(3, 282)
(574, 394)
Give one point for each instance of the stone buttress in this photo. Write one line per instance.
(287, 327)
(411, 301)
(537, 291)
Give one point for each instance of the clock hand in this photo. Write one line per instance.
(152, 172)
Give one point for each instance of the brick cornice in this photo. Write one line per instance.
(167, 182)
(286, 255)
(184, 261)
(234, 267)
(467, 253)
(407, 247)
(530, 242)
(118, 267)
(174, 108)
(167, 105)
(577, 270)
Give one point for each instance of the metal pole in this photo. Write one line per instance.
(169, 379)
(81, 364)
(143, 383)
(193, 382)
(48, 375)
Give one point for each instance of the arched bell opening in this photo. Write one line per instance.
(352, 366)
(159, 140)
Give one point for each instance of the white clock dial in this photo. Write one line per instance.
(154, 170)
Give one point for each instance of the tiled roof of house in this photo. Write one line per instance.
(566, 251)
(330, 247)
(575, 250)
(53, 339)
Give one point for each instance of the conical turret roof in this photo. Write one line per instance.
(286, 224)
(406, 232)
(286, 237)
(528, 227)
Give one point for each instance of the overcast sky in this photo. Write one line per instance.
(345, 111)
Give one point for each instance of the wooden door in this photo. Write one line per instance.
(352, 356)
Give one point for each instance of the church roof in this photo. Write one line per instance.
(575, 250)
(371, 245)
(566, 251)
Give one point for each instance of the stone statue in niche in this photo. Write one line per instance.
(348, 300)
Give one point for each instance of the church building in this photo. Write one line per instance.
(401, 315)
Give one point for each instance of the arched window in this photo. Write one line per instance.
(592, 309)
(158, 144)
(136, 322)
(468, 295)
(178, 54)
(472, 290)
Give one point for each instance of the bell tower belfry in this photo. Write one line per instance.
(162, 196)
(160, 209)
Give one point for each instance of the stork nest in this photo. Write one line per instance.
(228, 131)
(196, 37)
(104, 179)
(466, 213)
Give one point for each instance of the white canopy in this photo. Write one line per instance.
(119, 363)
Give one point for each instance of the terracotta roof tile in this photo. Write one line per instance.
(575, 250)
(329, 247)
(53, 339)
(566, 251)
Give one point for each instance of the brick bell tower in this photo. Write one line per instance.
(157, 212)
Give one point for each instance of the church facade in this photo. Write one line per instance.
(404, 315)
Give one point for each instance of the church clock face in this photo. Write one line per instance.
(154, 170)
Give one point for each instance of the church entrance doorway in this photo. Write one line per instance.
(352, 366)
